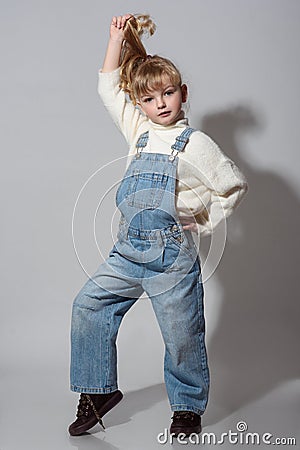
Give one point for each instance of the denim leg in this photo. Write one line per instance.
(97, 312)
(180, 315)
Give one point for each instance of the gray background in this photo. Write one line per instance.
(240, 60)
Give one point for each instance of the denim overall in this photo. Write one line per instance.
(153, 254)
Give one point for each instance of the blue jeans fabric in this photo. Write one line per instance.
(152, 254)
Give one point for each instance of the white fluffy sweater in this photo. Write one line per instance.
(209, 184)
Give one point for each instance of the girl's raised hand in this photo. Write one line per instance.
(114, 47)
(117, 27)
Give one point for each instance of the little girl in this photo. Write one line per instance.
(177, 181)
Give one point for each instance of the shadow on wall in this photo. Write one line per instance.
(256, 342)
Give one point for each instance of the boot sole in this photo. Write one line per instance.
(113, 401)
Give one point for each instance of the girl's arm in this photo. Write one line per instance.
(114, 46)
(128, 119)
(226, 183)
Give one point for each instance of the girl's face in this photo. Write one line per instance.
(163, 106)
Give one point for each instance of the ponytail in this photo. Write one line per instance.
(133, 52)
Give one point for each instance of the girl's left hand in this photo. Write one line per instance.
(190, 226)
(189, 223)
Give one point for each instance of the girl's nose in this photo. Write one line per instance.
(161, 103)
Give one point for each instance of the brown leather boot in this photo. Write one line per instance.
(186, 422)
(91, 409)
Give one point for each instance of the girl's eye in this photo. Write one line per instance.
(147, 100)
(169, 92)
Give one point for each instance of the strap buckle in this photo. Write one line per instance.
(180, 143)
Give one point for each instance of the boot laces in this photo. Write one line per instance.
(190, 415)
(86, 407)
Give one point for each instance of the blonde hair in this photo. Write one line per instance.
(139, 72)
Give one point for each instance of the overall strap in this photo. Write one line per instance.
(142, 142)
(182, 139)
(180, 142)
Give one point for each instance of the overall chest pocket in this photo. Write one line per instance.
(146, 189)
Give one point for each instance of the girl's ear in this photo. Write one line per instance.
(139, 106)
(184, 93)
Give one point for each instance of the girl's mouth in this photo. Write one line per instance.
(164, 114)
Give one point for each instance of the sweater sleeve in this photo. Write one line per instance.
(126, 116)
(226, 183)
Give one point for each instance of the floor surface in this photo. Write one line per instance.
(36, 417)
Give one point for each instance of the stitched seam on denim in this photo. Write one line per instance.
(151, 176)
(203, 353)
(108, 322)
(84, 389)
(184, 407)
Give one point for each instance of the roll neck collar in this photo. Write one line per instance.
(182, 123)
